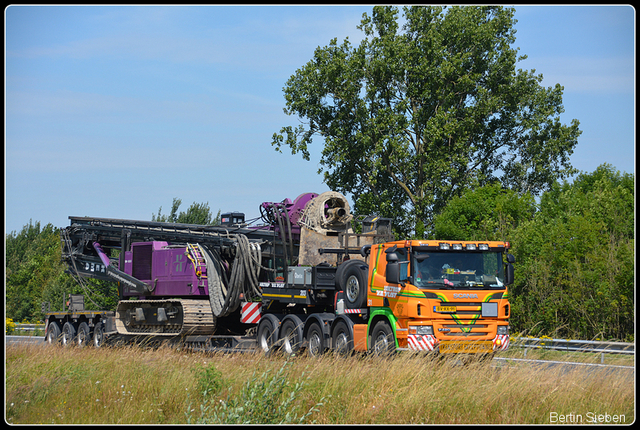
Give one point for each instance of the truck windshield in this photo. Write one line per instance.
(458, 270)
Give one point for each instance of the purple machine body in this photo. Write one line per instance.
(168, 271)
(284, 216)
(155, 269)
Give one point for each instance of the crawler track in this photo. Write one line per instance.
(191, 318)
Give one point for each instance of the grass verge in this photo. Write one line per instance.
(128, 385)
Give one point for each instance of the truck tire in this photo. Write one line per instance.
(84, 334)
(353, 280)
(382, 341)
(68, 334)
(98, 334)
(53, 334)
(342, 339)
(267, 337)
(315, 338)
(291, 335)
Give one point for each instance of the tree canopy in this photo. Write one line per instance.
(197, 213)
(486, 213)
(34, 273)
(419, 112)
(576, 259)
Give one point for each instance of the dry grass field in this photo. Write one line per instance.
(128, 385)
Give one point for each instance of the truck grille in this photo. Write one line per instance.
(466, 312)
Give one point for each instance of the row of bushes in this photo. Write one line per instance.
(574, 249)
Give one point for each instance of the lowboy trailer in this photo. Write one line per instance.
(302, 281)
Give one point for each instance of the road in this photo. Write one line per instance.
(31, 340)
(563, 366)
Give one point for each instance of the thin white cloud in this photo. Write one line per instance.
(152, 34)
(585, 74)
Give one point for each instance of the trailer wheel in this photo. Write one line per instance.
(268, 333)
(84, 334)
(383, 343)
(315, 337)
(354, 284)
(342, 339)
(98, 334)
(291, 335)
(68, 333)
(53, 333)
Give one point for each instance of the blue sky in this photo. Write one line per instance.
(114, 111)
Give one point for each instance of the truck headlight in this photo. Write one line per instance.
(422, 330)
(503, 329)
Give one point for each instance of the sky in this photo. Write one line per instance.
(114, 111)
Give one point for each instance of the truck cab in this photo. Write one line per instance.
(446, 296)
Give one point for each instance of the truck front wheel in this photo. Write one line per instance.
(383, 342)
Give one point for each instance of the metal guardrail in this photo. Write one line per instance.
(592, 346)
(28, 327)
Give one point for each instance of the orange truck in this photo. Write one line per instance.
(427, 295)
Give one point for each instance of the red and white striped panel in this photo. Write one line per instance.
(504, 342)
(251, 312)
(422, 343)
(353, 311)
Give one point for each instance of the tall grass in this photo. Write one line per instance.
(129, 385)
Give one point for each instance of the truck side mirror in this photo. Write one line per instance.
(396, 272)
(393, 273)
(508, 275)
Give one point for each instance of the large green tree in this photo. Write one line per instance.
(413, 116)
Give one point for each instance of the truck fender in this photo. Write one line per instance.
(382, 315)
(344, 318)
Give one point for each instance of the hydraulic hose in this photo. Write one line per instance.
(225, 291)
